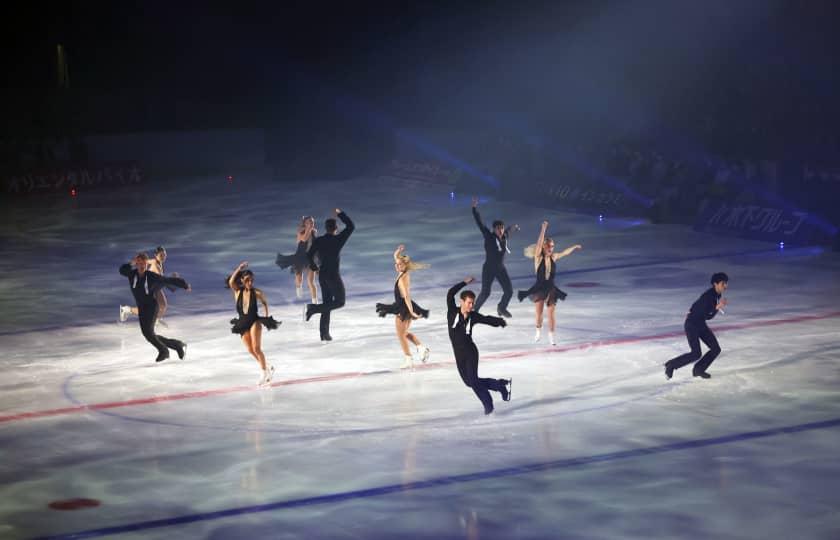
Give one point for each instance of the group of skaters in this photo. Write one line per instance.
(320, 255)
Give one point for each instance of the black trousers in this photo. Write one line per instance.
(490, 272)
(147, 314)
(695, 332)
(467, 361)
(333, 296)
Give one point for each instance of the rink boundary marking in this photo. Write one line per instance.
(443, 481)
(8, 418)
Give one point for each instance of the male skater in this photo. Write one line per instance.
(705, 308)
(145, 286)
(327, 248)
(495, 247)
(461, 321)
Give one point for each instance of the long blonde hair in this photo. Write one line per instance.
(532, 253)
(411, 265)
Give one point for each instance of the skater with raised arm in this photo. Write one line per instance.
(249, 323)
(460, 320)
(145, 285)
(327, 248)
(544, 293)
(495, 248)
(696, 330)
(404, 308)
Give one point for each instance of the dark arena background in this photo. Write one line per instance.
(662, 141)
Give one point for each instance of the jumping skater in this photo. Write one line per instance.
(495, 248)
(405, 309)
(144, 286)
(298, 261)
(460, 320)
(696, 330)
(153, 264)
(249, 324)
(544, 292)
(328, 248)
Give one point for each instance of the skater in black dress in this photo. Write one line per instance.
(298, 262)
(544, 292)
(144, 286)
(404, 308)
(249, 323)
(696, 329)
(460, 320)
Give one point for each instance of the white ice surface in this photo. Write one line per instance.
(595, 443)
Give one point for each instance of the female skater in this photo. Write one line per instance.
(249, 324)
(298, 261)
(404, 308)
(544, 292)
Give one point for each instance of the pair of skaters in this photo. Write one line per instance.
(155, 264)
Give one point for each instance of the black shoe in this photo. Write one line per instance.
(669, 371)
(503, 312)
(488, 410)
(521, 295)
(702, 374)
(326, 337)
(161, 357)
(309, 312)
(181, 349)
(505, 391)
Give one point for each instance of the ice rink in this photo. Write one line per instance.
(595, 443)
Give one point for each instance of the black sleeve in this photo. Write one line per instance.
(349, 227)
(157, 281)
(488, 319)
(450, 296)
(711, 305)
(481, 227)
(125, 269)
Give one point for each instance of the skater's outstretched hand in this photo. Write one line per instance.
(721, 304)
(474, 202)
(503, 323)
(337, 211)
(469, 279)
(189, 287)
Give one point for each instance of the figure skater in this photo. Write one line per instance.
(153, 264)
(298, 261)
(144, 286)
(696, 329)
(405, 309)
(544, 292)
(495, 248)
(328, 248)
(249, 324)
(461, 320)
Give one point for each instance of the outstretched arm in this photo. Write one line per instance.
(125, 269)
(349, 227)
(481, 226)
(398, 252)
(568, 251)
(489, 320)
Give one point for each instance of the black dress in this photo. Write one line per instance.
(399, 307)
(297, 262)
(247, 320)
(544, 288)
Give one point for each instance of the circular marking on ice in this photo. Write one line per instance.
(74, 504)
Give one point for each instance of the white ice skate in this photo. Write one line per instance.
(424, 353)
(551, 338)
(299, 292)
(537, 335)
(125, 311)
(268, 373)
(408, 363)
